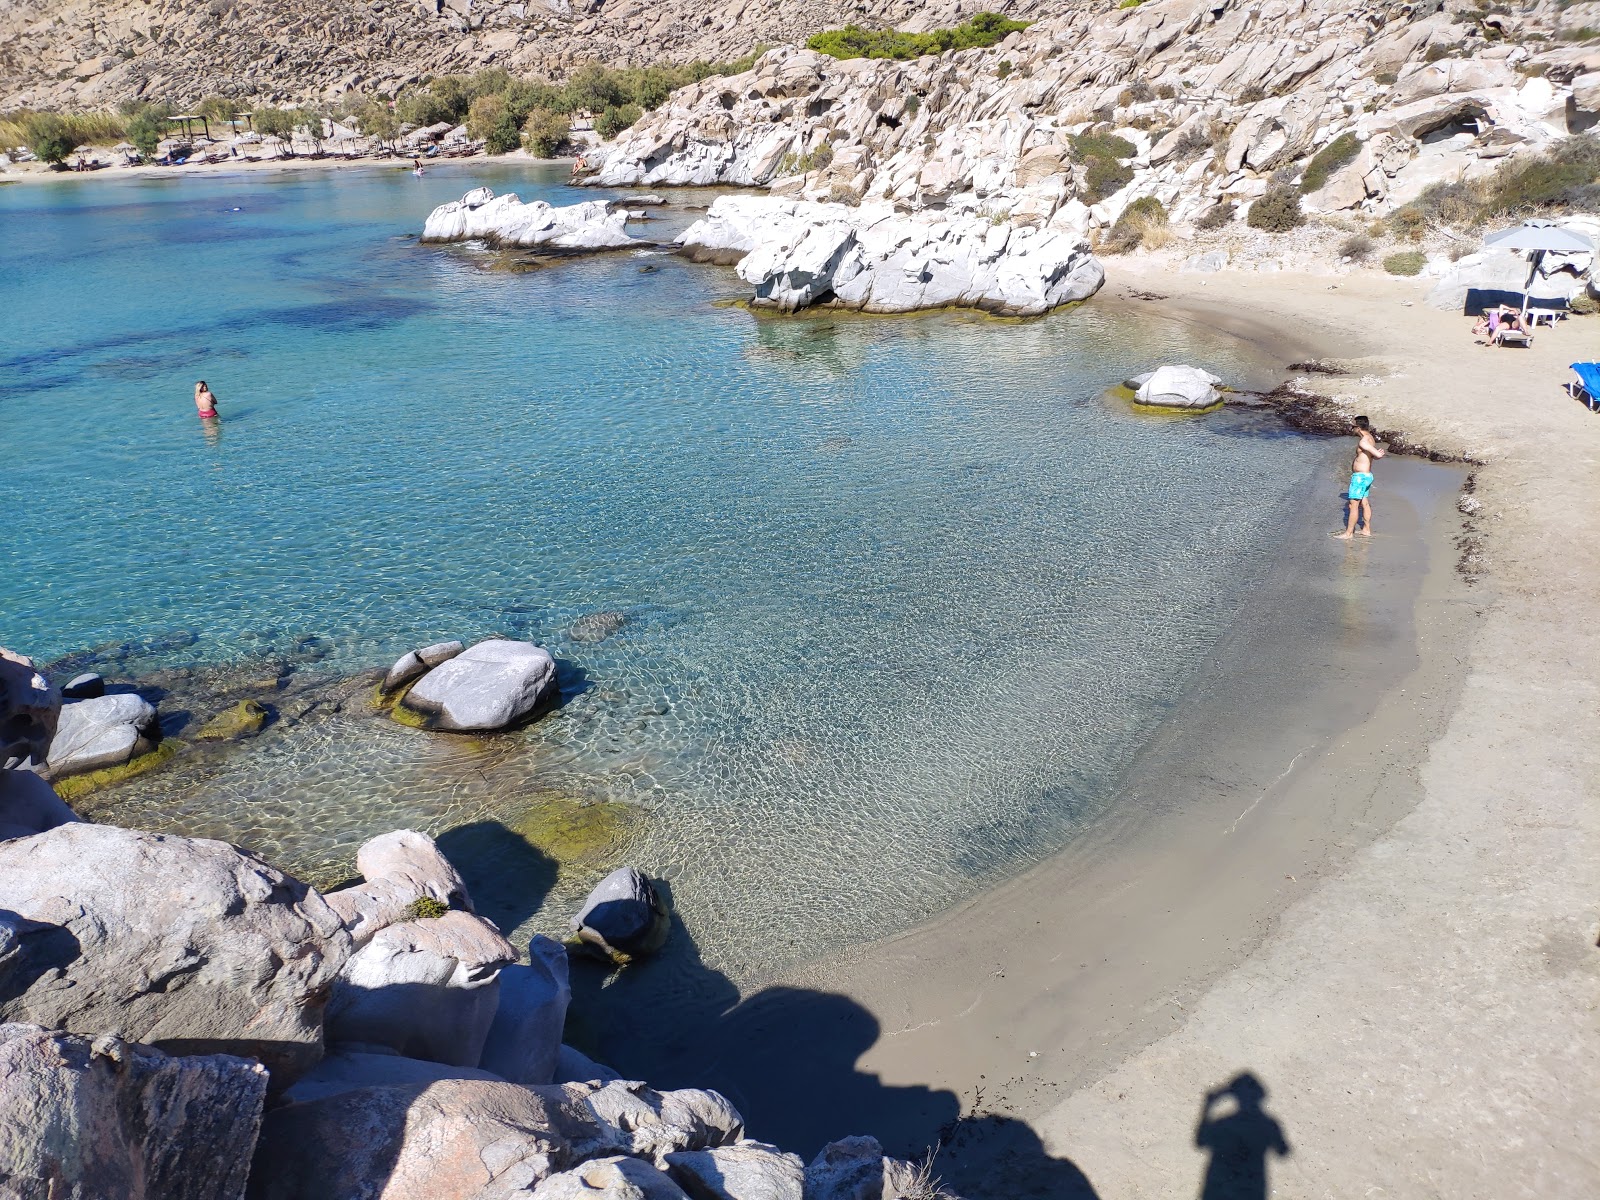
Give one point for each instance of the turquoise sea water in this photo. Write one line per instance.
(903, 595)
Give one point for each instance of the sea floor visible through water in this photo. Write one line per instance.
(889, 603)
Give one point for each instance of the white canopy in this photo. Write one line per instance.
(1536, 238)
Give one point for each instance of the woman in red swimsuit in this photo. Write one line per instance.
(204, 402)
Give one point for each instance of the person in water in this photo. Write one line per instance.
(1360, 506)
(205, 402)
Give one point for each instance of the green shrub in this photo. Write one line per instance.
(1387, 78)
(1002, 69)
(615, 119)
(48, 136)
(378, 120)
(1101, 145)
(1136, 226)
(1217, 216)
(984, 29)
(1583, 304)
(1435, 53)
(1566, 177)
(913, 104)
(544, 132)
(1104, 176)
(1277, 211)
(1130, 3)
(426, 908)
(148, 125)
(269, 122)
(483, 114)
(1405, 262)
(217, 109)
(1338, 153)
(1357, 246)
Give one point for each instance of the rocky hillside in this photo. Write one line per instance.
(1196, 104)
(63, 54)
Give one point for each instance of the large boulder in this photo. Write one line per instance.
(347, 1070)
(1179, 387)
(746, 1171)
(29, 805)
(654, 1124)
(614, 1178)
(426, 989)
(855, 1168)
(193, 946)
(106, 731)
(624, 917)
(29, 711)
(524, 1042)
(82, 1120)
(495, 684)
(507, 221)
(1490, 277)
(399, 869)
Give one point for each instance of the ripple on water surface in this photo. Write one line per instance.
(900, 596)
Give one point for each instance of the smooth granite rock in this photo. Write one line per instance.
(524, 1042)
(624, 917)
(652, 1124)
(29, 805)
(112, 1120)
(746, 1171)
(104, 732)
(29, 711)
(413, 664)
(399, 868)
(87, 686)
(1179, 387)
(507, 221)
(246, 718)
(493, 685)
(192, 946)
(426, 989)
(597, 626)
(615, 1178)
(852, 1168)
(346, 1070)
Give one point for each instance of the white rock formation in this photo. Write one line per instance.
(103, 732)
(82, 1120)
(507, 221)
(1179, 387)
(524, 1041)
(492, 685)
(398, 869)
(30, 710)
(614, 1178)
(426, 989)
(182, 943)
(415, 663)
(871, 258)
(346, 1070)
(743, 1171)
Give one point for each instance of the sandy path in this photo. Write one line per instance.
(1424, 1019)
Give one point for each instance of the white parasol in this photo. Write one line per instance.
(1536, 238)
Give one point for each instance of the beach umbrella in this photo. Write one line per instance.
(1536, 238)
(123, 148)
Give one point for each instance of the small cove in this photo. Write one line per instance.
(903, 597)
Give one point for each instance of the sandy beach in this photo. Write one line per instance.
(1357, 863)
(38, 172)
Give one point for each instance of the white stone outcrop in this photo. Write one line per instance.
(505, 220)
(1500, 276)
(30, 710)
(1179, 387)
(106, 731)
(415, 663)
(347, 1070)
(743, 1171)
(398, 869)
(524, 1040)
(614, 1178)
(84, 1119)
(492, 685)
(185, 944)
(871, 258)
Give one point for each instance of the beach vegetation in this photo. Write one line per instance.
(1101, 154)
(378, 120)
(272, 122)
(491, 120)
(1277, 211)
(1564, 178)
(811, 160)
(983, 30)
(1340, 152)
(426, 908)
(1002, 69)
(1583, 305)
(48, 136)
(85, 129)
(310, 120)
(913, 104)
(1101, 145)
(1130, 3)
(218, 110)
(146, 126)
(1405, 262)
(616, 119)
(1144, 223)
(544, 132)
(1216, 216)
(1357, 247)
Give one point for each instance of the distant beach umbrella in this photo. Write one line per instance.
(1537, 238)
(123, 148)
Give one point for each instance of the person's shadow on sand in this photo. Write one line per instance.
(786, 1058)
(1239, 1141)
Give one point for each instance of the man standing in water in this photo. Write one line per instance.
(1367, 449)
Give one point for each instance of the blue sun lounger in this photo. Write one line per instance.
(1587, 386)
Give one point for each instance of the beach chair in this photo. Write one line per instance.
(1507, 335)
(1586, 387)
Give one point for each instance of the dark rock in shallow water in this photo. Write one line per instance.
(87, 686)
(597, 626)
(244, 719)
(624, 917)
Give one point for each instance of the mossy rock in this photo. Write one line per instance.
(575, 832)
(75, 786)
(244, 719)
(398, 712)
(426, 908)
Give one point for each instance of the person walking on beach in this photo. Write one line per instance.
(205, 402)
(1360, 506)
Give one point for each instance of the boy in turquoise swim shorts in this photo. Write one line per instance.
(1360, 507)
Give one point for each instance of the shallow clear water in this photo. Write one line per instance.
(903, 595)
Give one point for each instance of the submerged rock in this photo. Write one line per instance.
(107, 731)
(1179, 387)
(624, 917)
(597, 626)
(82, 1120)
(244, 719)
(874, 259)
(426, 989)
(29, 711)
(507, 221)
(192, 946)
(495, 684)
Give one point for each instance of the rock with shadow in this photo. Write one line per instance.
(1239, 1141)
(507, 876)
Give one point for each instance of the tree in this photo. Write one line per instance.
(544, 132)
(273, 122)
(146, 127)
(378, 120)
(218, 109)
(49, 137)
(310, 119)
(596, 89)
(483, 114)
(614, 120)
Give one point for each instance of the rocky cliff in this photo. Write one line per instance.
(1193, 103)
(82, 53)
